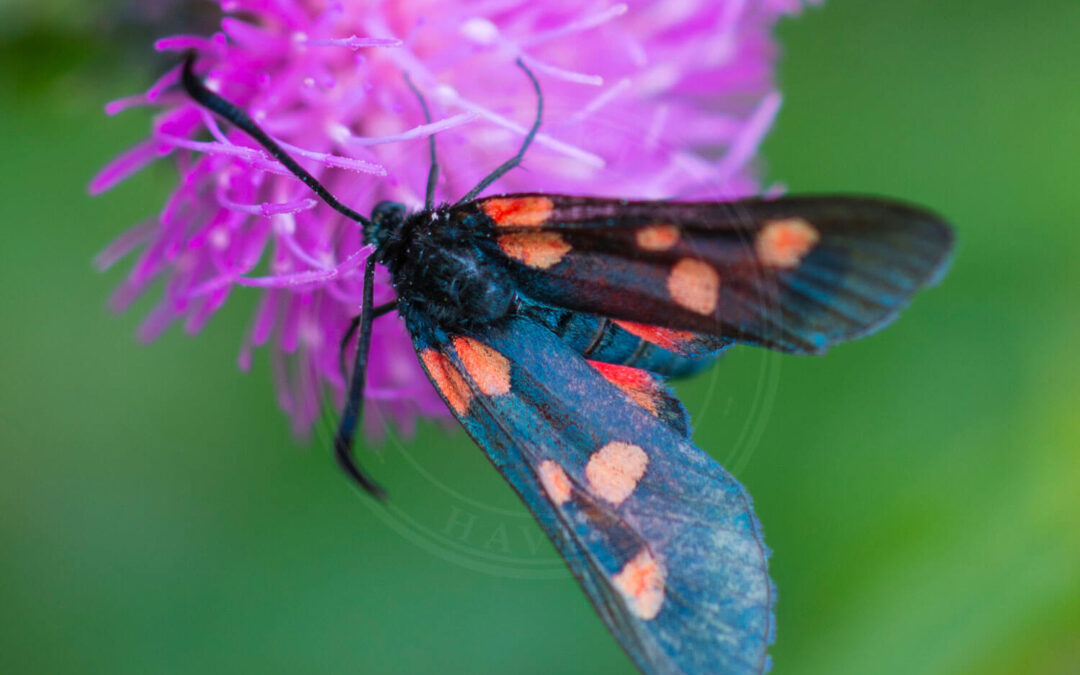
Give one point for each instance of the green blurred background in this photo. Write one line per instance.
(920, 489)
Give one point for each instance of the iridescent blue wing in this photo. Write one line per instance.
(796, 274)
(662, 539)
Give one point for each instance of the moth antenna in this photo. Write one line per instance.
(433, 172)
(514, 161)
(354, 323)
(240, 119)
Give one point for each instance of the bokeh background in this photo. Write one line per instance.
(920, 489)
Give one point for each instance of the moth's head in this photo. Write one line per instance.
(386, 219)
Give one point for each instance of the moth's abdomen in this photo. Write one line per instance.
(625, 344)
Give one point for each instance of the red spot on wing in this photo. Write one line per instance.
(665, 338)
(641, 581)
(447, 380)
(657, 237)
(637, 383)
(694, 285)
(541, 250)
(555, 481)
(518, 211)
(489, 369)
(614, 470)
(784, 243)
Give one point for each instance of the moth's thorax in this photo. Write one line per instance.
(444, 265)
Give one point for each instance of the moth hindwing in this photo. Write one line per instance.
(662, 539)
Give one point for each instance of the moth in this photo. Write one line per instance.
(549, 324)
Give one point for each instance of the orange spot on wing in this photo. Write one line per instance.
(665, 338)
(555, 482)
(695, 285)
(636, 383)
(518, 211)
(447, 380)
(614, 470)
(489, 369)
(784, 243)
(641, 582)
(657, 237)
(536, 249)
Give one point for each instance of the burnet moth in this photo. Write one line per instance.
(549, 323)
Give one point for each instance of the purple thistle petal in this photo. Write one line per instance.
(342, 134)
(181, 43)
(358, 165)
(264, 319)
(268, 209)
(198, 319)
(745, 145)
(577, 26)
(248, 36)
(164, 82)
(126, 165)
(124, 244)
(117, 106)
(562, 73)
(643, 99)
(287, 280)
(352, 42)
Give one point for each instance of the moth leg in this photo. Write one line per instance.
(433, 172)
(350, 418)
(354, 323)
(354, 399)
(516, 159)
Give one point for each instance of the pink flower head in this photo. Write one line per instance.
(643, 99)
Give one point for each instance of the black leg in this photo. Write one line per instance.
(433, 172)
(516, 159)
(378, 311)
(354, 398)
(211, 101)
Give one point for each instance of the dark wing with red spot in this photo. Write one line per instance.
(648, 391)
(663, 540)
(796, 274)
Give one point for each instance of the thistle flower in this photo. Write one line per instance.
(642, 99)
